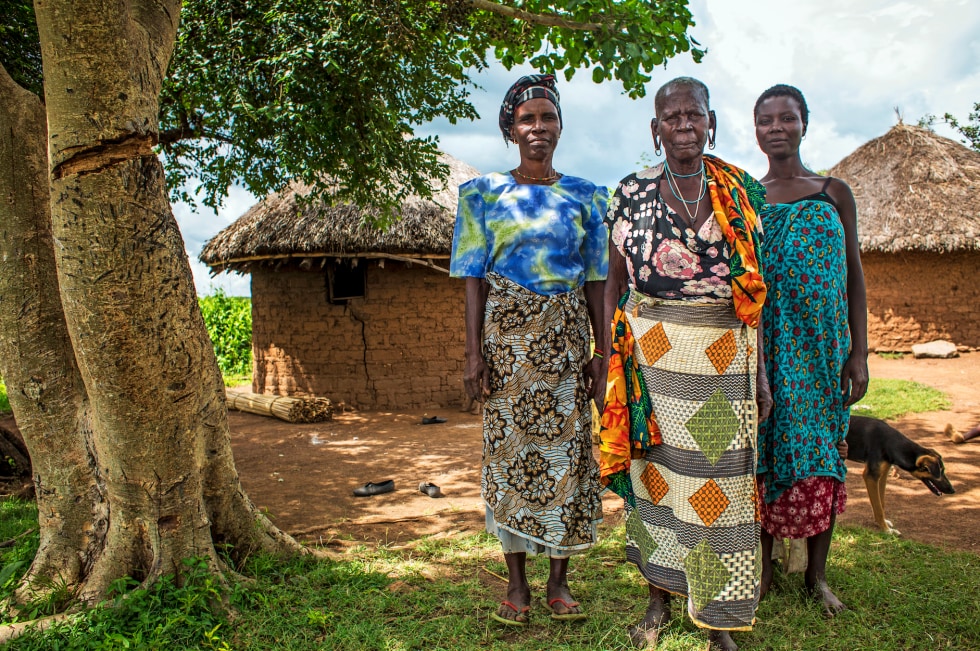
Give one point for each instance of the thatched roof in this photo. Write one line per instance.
(280, 227)
(915, 191)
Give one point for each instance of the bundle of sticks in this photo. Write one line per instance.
(288, 408)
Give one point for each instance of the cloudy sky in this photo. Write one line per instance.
(856, 61)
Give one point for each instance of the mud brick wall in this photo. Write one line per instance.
(399, 347)
(918, 297)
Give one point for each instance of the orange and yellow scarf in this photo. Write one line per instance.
(735, 198)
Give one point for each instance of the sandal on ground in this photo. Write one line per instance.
(520, 612)
(566, 617)
(430, 489)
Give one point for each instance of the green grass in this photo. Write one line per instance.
(891, 355)
(890, 399)
(436, 594)
(16, 518)
(237, 379)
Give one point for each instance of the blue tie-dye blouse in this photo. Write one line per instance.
(547, 238)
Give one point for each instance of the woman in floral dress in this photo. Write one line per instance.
(531, 245)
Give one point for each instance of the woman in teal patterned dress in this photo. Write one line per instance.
(815, 336)
(531, 244)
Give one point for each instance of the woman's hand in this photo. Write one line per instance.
(476, 377)
(763, 396)
(595, 380)
(854, 377)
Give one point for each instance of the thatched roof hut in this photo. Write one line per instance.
(915, 191)
(282, 228)
(918, 202)
(330, 318)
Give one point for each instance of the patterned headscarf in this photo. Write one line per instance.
(524, 89)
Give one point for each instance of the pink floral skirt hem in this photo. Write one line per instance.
(803, 510)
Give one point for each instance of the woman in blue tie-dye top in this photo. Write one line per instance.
(533, 249)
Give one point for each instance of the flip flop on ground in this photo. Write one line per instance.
(566, 616)
(519, 613)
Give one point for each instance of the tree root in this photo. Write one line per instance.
(10, 632)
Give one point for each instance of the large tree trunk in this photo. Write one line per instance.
(36, 357)
(156, 463)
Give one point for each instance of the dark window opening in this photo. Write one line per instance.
(345, 280)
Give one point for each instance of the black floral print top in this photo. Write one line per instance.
(665, 258)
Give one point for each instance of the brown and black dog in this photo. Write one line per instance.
(880, 446)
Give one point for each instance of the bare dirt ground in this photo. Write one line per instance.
(304, 475)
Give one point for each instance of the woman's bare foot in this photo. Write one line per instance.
(644, 634)
(831, 604)
(721, 641)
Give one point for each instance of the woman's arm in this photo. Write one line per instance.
(616, 285)
(854, 375)
(476, 375)
(594, 380)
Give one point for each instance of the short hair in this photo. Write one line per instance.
(783, 90)
(689, 83)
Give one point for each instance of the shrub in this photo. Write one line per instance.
(229, 323)
(4, 401)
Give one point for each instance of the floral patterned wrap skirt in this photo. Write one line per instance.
(540, 478)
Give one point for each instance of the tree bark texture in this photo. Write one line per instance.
(157, 481)
(36, 358)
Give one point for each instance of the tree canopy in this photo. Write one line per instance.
(263, 91)
(20, 46)
(971, 130)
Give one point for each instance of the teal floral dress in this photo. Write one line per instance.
(807, 341)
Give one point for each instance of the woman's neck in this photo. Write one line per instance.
(787, 168)
(536, 171)
(685, 168)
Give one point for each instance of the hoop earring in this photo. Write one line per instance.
(657, 151)
(712, 134)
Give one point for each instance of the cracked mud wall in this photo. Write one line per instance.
(915, 297)
(399, 347)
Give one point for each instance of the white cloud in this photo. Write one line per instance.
(200, 226)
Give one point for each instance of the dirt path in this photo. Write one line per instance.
(303, 475)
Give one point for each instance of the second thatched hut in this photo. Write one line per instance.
(918, 201)
(343, 310)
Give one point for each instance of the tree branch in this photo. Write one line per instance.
(171, 136)
(548, 20)
(10, 88)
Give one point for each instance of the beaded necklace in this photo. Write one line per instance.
(548, 179)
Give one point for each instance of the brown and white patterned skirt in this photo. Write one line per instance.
(540, 478)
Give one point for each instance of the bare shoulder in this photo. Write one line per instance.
(840, 191)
